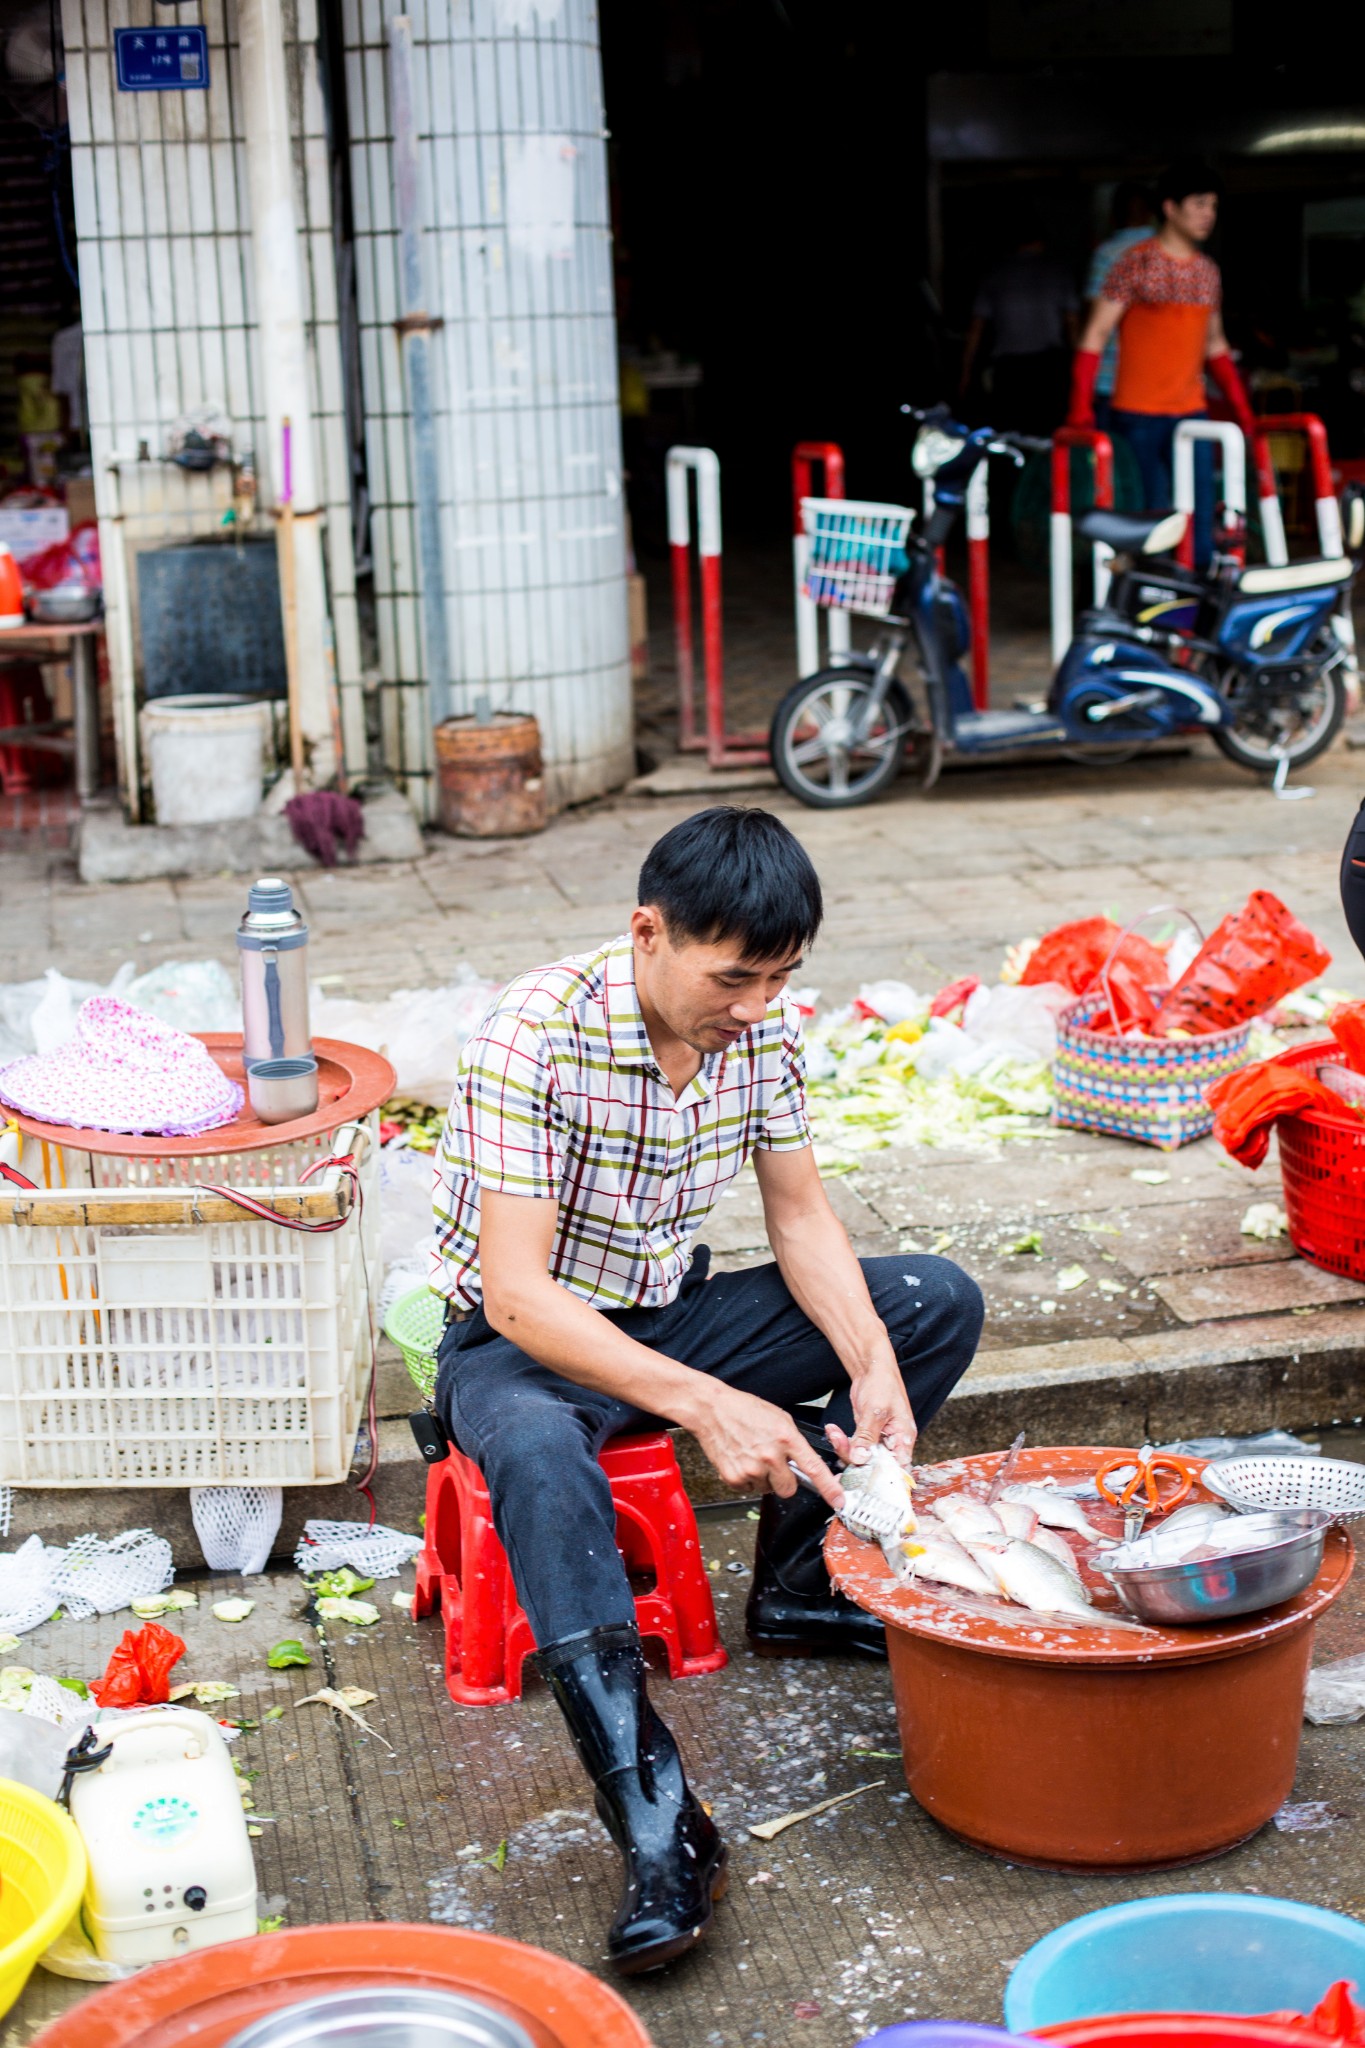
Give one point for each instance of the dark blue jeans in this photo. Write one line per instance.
(1151, 436)
(535, 1436)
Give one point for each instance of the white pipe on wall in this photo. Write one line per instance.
(285, 384)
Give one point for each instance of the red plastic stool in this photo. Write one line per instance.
(463, 1565)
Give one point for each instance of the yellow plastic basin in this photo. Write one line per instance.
(42, 1876)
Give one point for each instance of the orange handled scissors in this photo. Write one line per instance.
(1142, 1495)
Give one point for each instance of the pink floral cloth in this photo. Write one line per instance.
(123, 1071)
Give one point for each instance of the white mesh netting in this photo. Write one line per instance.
(370, 1548)
(91, 1576)
(236, 1525)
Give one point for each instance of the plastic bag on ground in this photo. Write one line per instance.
(369, 1548)
(1336, 1693)
(193, 995)
(892, 1001)
(26, 1592)
(33, 1752)
(406, 1226)
(139, 1672)
(1073, 954)
(1257, 955)
(237, 1525)
(422, 1031)
(1269, 1443)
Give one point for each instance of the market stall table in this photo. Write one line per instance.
(83, 741)
(1078, 1747)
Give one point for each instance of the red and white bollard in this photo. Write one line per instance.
(740, 750)
(1232, 441)
(830, 456)
(1100, 445)
(1330, 542)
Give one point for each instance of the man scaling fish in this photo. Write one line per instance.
(604, 1105)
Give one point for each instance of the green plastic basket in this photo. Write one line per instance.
(415, 1323)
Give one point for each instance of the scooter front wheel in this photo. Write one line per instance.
(817, 750)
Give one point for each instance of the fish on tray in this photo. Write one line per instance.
(936, 1554)
(1033, 1578)
(1053, 1509)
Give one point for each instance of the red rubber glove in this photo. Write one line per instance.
(1227, 377)
(1085, 367)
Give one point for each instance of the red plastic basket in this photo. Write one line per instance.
(1322, 1166)
(1180, 2030)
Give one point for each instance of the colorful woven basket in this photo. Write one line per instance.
(1151, 1089)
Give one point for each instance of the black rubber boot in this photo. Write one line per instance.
(793, 1610)
(674, 1858)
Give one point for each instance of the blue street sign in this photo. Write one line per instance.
(162, 59)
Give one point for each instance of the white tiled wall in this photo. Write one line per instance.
(518, 266)
(163, 226)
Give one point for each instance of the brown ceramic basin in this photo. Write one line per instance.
(1081, 1748)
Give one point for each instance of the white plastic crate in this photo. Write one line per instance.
(856, 552)
(152, 1335)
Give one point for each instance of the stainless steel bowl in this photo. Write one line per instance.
(1222, 1587)
(397, 2016)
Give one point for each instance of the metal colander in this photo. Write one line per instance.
(1248, 1483)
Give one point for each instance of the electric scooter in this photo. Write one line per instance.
(1260, 670)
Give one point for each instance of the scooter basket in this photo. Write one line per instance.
(856, 552)
(1152, 1089)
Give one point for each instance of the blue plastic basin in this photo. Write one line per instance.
(1192, 1952)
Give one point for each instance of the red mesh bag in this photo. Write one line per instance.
(1074, 954)
(139, 1672)
(1256, 956)
(1247, 1105)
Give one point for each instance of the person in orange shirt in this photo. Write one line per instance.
(1163, 297)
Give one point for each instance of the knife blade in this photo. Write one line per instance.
(1007, 1465)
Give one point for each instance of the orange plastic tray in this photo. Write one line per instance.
(352, 1081)
(209, 1997)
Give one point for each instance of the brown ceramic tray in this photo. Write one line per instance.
(352, 1081)
(940, 1613)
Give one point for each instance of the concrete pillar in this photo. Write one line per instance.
(285, 380)
(517, 252)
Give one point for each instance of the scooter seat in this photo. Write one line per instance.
(1272, 580)
(1134, 533)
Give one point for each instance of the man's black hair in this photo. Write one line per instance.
(1189, 174)
(735, 874)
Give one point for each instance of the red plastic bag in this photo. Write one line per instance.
(1246, 1105)
(139, 1672)
(1347, 1026)
(954, 996)
(71, 563)
(1255, 957)
(1074, 954)
(1336, 2016)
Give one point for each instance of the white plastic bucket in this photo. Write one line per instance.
(206, 755)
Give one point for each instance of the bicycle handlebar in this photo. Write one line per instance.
(997, 443)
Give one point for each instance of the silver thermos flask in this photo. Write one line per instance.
(272, 942)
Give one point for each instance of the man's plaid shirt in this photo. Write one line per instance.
(560, 1095)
